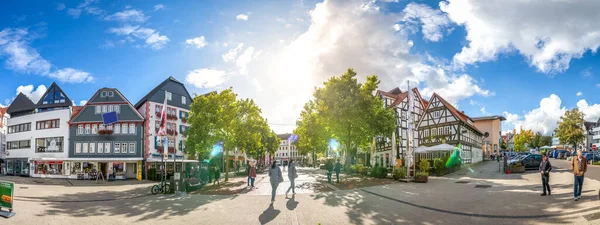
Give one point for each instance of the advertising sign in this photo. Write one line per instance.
(139, 170)
(6, 194)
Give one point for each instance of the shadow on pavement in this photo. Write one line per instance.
(268, 215)
(146, 207)
(292, 203)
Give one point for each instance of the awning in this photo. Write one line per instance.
(436, 148)
(50, 159)
(171, 160)
(102, 159)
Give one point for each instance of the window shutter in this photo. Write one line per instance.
(180, 114)
(155, 143)
(180, 144)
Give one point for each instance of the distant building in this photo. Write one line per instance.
(286, 150)
(492, 125)
(3, 129)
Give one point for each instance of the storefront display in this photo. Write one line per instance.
(49, 167)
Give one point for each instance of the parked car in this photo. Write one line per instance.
(562, 154)
(591, 157)
(531, 161)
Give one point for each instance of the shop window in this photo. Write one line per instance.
(51, 144)
(49, 167)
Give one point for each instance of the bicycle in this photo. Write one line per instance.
(161, 188)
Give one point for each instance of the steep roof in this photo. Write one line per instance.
(2, 112)
(284, 136)
(89, 102)
(20, 104)
(54, 87)
(501, 118)
(158, 87)
(459, 114)
(589, 125)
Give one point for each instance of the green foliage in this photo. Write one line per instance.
(379, 172)
(597, 163)
(350, 112)
(358, 168)
(313, 137)
(522, 138)
(504, 145)
(539, 141)
(571, 128)
(424, 165)
(152, 174)
(221, 117)
(438, 165)
(422, 174)
(400, 173)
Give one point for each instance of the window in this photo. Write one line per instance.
(84, 147)
(111, 94)
(426, 133)
(183, 100)
(19, 128)
(98, 109)
(433, 132)
(109, 127)
(94, 128)
(436, 114)
(101, 127)
(52, 144)
(110, 108)
(18, 144)
(439, 131)
(78, 147)
(79, 129)
(125, 128)
(124, 148)
(100, 147)
(117, 148)
(53, 96)
(47, 124)
(104, 108)
(117, 128)
(169, 95)
(131, 128)
(103, 94)
(118, 108)
(107, 148)
(92, 148)
(157, 124)
(447, 130)
(87, 129)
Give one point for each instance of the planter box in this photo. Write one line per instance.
(421, 179)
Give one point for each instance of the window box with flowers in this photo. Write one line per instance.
(171, 117)
(105, 132)
(160, 149)
(184, 119)
(171, 149)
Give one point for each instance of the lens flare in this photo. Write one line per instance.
(454, 158)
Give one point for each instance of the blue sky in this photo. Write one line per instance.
(484, 62)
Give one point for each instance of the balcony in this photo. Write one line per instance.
(596, 137)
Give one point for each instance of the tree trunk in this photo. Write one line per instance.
(226, 165)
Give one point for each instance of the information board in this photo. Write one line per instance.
(6, 194)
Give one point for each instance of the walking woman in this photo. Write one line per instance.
(545, 168)
(292, 175)
(275, 177)
(252, 174)
(216, 175)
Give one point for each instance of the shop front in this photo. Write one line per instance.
(155, 161)
(50, 168)
(108, 169)
(16, 166)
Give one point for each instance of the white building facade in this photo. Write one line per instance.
(286, 150)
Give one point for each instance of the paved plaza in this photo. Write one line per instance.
(480, 196)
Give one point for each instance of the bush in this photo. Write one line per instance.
(597, 163)
(422, 174)
(366, 171)
(424, 165)
(358, 169)
(438, 165)
(379, 172)
(399, 173)
(152, 174)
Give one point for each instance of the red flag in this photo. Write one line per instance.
(163, 119)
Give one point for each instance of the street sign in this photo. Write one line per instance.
(7, 190)
(109, 118)
(594, 147)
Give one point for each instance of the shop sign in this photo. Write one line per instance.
(6, 194)
(139, 170)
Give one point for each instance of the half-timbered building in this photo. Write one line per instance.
(443, 123)
(387, 149)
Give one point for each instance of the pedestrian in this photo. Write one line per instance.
(252, 174)
(292, 175)
(248, 168)
(545, 168)
(338, 168)
(579, 167)
(275, 178)
(329, 166)
(216, 175)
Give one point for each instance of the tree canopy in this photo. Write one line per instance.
(312, 135)
(350, 111)
(236, 123)
(523, 139)
(571, 127)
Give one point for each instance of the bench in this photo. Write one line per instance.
(194, 184)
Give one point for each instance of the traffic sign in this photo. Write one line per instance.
(594, 147)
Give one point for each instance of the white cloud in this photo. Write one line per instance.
(86, 7)
(21, 58)
(198, 42)
(129, 15)
(330, 45)
(483, 111)
(70, 75)
(579, 93)
(206, 78)
(158, 7)
(257, 85)
(433, 22)
(473, 102)
(232, 53)
(82, 102)
(244, 59)
(33, 95)
(241, 17)
(152, 37)
(547, 38)
(591, 112)
(60, 6)
(543, 119)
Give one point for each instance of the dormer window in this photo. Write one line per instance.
(54, 96)
(103, 94)
(111, 94)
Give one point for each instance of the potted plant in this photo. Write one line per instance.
(422, 175)
(438, 165)
(399, 173)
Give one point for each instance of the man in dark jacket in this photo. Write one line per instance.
(545, 169)
(338, 168)
(329, 167)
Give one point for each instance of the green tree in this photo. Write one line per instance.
(312, 134)
(503, 145)
(571, 128)
(523, 139)
(351, 112)
(221, 117)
